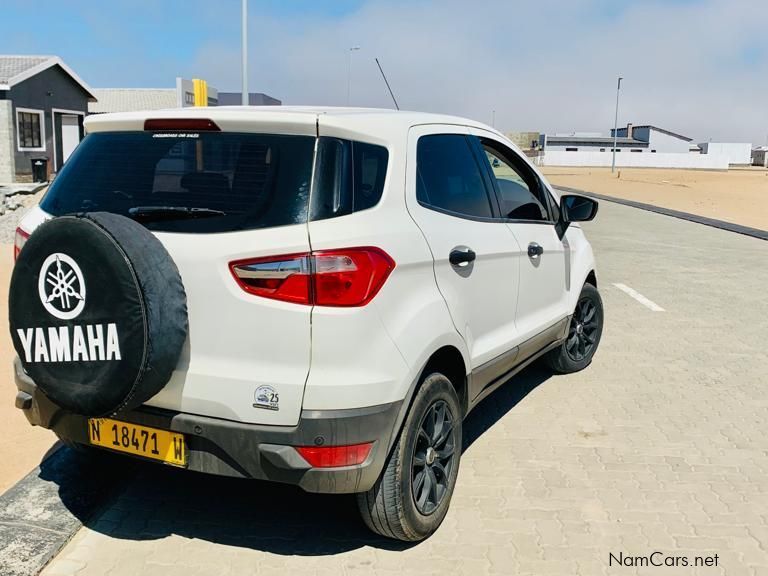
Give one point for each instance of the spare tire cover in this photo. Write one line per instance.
(98, 313)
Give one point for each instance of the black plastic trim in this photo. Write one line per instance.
(228, 448)
(489, 376)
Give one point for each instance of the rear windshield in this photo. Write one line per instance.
(188, 182)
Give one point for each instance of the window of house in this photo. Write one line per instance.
(602, 149)
(571, 149)
(653, 151)
(29, 128)
(635, 150)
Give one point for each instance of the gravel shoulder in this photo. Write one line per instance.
(10, 219)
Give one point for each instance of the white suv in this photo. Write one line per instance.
(315, 296)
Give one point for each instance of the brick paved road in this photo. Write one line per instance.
(662, 444)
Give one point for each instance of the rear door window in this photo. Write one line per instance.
(196, 182)
(449, 178)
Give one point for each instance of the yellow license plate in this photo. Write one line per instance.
(168, 447)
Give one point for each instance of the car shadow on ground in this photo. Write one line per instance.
(157, 501)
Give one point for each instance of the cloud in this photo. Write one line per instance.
(696, 67)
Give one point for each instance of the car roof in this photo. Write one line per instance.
(286, 119)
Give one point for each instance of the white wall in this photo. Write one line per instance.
(664, 143)
(737, 152)
(7, 161)
(629, 159)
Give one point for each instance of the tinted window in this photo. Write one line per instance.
(29, 129)
(449, 177)
(518, 189)
(238, 181)
(349, 177)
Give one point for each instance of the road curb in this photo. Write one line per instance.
(41, 513)
(721, 224)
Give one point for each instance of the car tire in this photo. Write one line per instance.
(584, 333)
(411, 497)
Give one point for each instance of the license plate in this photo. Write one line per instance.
(168, 447)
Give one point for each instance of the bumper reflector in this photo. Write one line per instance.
(334, 456)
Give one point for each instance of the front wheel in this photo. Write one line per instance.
(584, 332)
(411, 497)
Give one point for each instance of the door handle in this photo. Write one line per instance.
(461, 257)
(535, 250)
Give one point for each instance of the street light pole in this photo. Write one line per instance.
(349, 71)
(245, 99)
(616, 126)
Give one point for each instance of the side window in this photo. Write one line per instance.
(520, 193)
(449, 178)
(349, 177)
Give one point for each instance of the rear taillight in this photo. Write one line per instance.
(349, 277)
(345, 277)
(334, 456)
(278, 277)
(18, 242)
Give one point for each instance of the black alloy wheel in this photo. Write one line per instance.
(411, 497)
(433, 458)
(583, 331)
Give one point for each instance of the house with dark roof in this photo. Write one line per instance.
(657, 139)
(42, 106)
(644, 138)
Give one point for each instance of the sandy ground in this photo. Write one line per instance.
(22, 446)
(738, 195)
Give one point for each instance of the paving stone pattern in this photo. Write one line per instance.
(660, 445)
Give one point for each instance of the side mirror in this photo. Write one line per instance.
(578, 208)
(574, 208)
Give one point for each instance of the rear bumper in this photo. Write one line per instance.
(228, 448)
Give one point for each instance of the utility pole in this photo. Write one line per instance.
(245, 99)
(493, 119)
(349, 70)
(616, 126)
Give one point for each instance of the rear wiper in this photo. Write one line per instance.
(150, 213)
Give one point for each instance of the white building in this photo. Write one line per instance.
(637, 139)
(738, 153)
(658, 139)
(644, 146)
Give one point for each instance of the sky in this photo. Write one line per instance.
(697, 67)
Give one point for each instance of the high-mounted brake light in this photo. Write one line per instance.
(344, 277)
(334, 456)
(18, 242)
(180, 125)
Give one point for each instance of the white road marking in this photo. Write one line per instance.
(650, 304)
